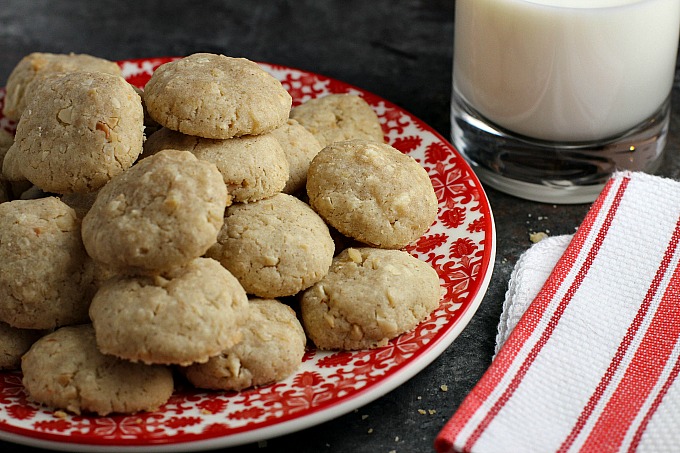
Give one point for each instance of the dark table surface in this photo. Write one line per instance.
(400, 50)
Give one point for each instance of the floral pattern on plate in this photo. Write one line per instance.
(460, 246)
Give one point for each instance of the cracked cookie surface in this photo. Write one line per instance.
(275, 247)
(181, 317)
(300, 146)
(215, 96)
(65, 370)
(38, 64)
(163, 212)
(339, 117)
(372, 192)
(368, 297)
(14, 343)
(44, 281)
(253, 167)
(271, 349)
(78, 131)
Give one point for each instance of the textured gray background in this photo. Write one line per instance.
(400, 50)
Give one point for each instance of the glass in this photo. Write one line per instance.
(552, 96)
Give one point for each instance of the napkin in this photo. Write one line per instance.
(593, 362)
(528, 276)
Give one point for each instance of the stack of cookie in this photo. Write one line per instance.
(80, 125)
(178, 252)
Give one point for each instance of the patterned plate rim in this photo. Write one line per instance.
(477, 258)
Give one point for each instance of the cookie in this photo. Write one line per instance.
(43, 278)
(369, 297)
(78, 131)
(184, 316)
(339, 117)
(163, 212)
(14, 343)
(275, 247)
(253, 167)
(38, 64)
(372, 192)
(215, 96)
(271, 350)
(300, 146)
(65, 370)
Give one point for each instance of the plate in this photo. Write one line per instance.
(461, 246)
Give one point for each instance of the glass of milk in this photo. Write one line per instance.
(552, 96)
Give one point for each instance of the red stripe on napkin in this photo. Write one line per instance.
(506, 356)
(642, 374)
(606, 320)
(544, 297)
(627, 340)
(655, 405)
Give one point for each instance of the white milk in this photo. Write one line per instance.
(566, 70)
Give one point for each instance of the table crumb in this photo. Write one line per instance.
(537, 237)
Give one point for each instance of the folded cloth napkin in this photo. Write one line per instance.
(593, 363)
(528, 276)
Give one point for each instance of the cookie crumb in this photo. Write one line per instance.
(396, 438)
(370, 430)
(364, 417)
(537, 237)
(431, 411)
(444, 388)
(422, 411)
(60, 414)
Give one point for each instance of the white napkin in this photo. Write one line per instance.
(528, 277)
(592, 364)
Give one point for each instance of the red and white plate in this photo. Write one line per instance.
(461, 246)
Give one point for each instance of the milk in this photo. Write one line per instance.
(565, 70)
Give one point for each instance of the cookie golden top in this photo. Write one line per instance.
(214, 96)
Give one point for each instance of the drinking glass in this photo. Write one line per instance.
(550, 97)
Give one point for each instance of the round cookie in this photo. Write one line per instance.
(372, 192)
(215, 96)
(37, 64)
(65, 370)
(163, 212)
(275, 247)
(369, 297)
(300, 146)
(253, 167)
(43, 278)
(339, 117)
(78, 131)
(271, 350)
(14, 343)
(184, 316)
